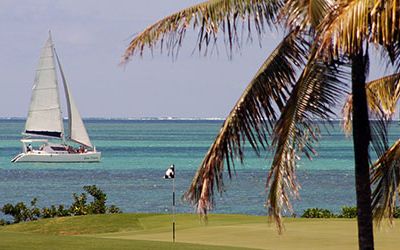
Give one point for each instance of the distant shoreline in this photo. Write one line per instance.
(219, 119)
(135, 118)
(130, 119)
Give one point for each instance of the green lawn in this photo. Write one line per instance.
(152, 231)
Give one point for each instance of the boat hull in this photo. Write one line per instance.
(39, 156)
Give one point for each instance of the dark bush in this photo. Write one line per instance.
(79, 206)
(3, 222)
(62, 212)
(348, 212)
(20, 212)
(396, 213)
(98, 205)
(114, 210)
(53, 211)
(318, 213)
(49, 212)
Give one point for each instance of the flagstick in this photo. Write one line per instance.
(173, 209)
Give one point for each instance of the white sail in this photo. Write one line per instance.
(44, 117)
(77, 130)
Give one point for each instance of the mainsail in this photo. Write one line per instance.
(44, 117)
(77, 129)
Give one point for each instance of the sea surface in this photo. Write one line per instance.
(136, 153)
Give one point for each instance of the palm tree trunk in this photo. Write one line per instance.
(361, 139)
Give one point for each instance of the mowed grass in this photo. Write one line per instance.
(153, 231)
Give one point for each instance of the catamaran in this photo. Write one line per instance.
(44, 123)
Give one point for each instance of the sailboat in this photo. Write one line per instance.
(44, 123)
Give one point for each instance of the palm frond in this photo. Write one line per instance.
(353, 22)
(250, 119)
(385, 23)
(347, 115)
(346, 28)
(382, 94)
(304, 14)
(315, 94)
(379, 126)
(382, 100)
(209, 17)
(385, 179)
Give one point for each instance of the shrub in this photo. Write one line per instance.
(21, 212)
(79, 206)
(62, 212)
(318, 213)
(348, 212)
(114, 210)
(49, 212)
(53, 211)
(396, 213)
(98, 205)
(3, 222)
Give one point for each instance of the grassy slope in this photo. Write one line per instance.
(148, 231)
(11, 241)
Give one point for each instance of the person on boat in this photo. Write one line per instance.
(70, 150)
(29, 148)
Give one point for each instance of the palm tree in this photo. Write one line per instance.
(325, 41)
(355, 23)
(382, 96)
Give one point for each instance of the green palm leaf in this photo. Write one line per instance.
(251, 118)
(209, 17)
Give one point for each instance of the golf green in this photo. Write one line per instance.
(154, 231)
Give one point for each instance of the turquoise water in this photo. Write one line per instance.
(135, 155)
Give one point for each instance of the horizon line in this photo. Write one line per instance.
(127, 118)
(151, 118)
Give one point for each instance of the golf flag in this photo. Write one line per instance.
(170, 173)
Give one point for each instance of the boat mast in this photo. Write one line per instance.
(66, 94)
(58, 95)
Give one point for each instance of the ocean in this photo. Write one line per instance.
(136, 153)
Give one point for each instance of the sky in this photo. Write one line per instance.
(90, 37)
